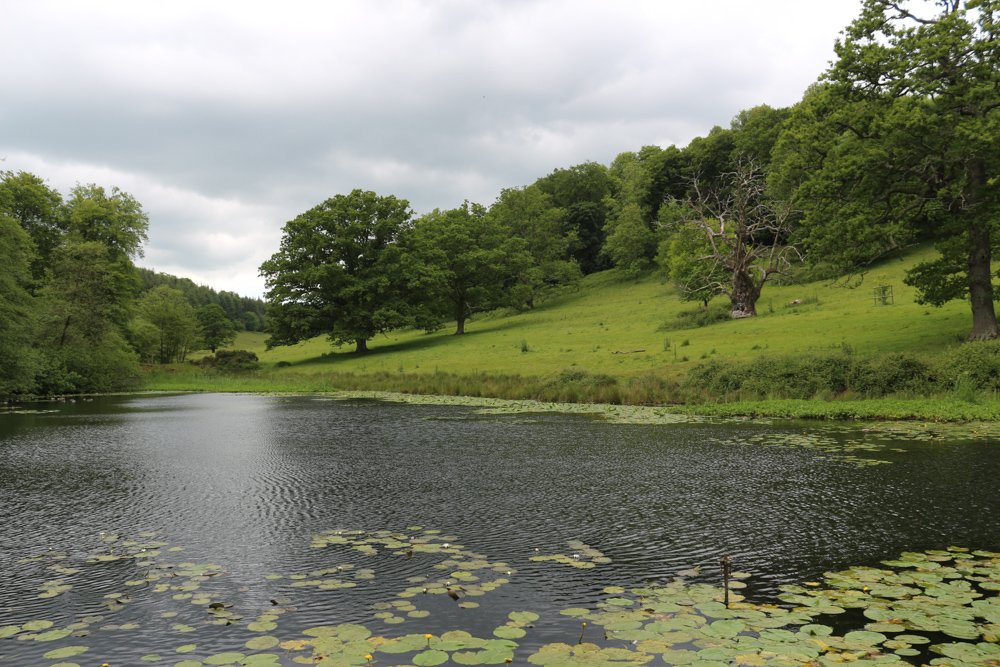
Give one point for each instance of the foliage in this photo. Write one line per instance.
(340, 272)
(38, 210)
(246, 313)
(528, 214)
(677, 256)
(756, 132)
(711, 156)
(174, 319)
(806, 375)
(232, 361)
(468, 262)
(977, 363)
(18, 362)
(900, 139)
(579, 191)
(630, 241)
(114, 220)
(214, 327)
(697, 318)
(742, 232)
(76, 333)
(83, 314)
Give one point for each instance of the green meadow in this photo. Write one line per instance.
(618, 341)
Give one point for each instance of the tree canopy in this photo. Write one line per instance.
(470, 260)
(901, 138)
(339, 272)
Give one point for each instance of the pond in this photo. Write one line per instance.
(244, 529)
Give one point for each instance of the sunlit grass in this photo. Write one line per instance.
(584, 329)
(610, 327)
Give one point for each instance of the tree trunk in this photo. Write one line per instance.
(744, 297)
(362, 346)
(984, 319)
(460, 313)
(62, 339)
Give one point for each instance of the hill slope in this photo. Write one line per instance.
(584, 329)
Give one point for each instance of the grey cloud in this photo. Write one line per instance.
(228, 120)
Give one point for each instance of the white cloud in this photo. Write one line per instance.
(227, 119)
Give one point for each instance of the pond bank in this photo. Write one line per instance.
(586, 390)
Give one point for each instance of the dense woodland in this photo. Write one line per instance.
(897, 143)
(76, 315)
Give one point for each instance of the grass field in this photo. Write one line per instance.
(569, 349)
(583, 329)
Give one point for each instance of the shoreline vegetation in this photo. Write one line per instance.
(835, 355)
(476, 392)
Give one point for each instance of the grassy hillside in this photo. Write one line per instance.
(583, 329)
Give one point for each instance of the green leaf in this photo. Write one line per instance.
(223, 658)
(266, 641)
(507, 632)
(66, 652)
(430, 658)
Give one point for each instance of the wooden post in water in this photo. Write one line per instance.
(726, 563)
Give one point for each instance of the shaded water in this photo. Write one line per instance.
(243, 481)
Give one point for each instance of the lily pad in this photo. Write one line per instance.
(66, 652)
(430, 658)
(507, 632)
(223, 658)
(266, 641)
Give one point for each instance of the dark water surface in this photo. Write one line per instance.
(244, 481)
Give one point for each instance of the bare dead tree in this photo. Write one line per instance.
(742, 231)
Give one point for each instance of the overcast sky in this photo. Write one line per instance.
(227, 119)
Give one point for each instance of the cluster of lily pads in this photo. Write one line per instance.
(583, 557)
(826, 446)
(868, 438)
(938, 607)
(471, 574)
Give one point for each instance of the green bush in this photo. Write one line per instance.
(283, 364)
(787, 375)
(699, 317)
(808, 375)
(584, 378)
(978, 363)
(232, 361)
(891, 373)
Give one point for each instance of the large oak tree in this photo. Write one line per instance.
(339, 272)
(900, 138)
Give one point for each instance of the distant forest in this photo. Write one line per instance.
(246, 314)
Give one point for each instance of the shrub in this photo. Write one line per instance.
(890, 373)
(232, 361)
(584, 379)
(698, 317)
(978, 363)
(283, 364)
(807, 375)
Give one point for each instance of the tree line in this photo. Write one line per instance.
(897, 142)
(246, 313)
(76, 314)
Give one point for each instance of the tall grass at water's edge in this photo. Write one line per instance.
(574, 387)
(605, 343)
